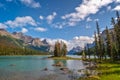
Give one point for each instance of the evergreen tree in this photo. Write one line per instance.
(64, 49)
(103, 50)
(84, 54)
(96, 46)
(117, 14)
(109, 44)
(99, 42)
(60, 49)
(116, 26)
(117, 29)
(56, 49)
(88, 51)
(113, 21)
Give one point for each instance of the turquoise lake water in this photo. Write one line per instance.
(31, 67)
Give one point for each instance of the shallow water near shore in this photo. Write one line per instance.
(32, 68)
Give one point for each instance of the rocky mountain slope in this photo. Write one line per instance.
(21, 40)
(75, 50)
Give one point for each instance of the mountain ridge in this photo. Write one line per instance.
(25, 41)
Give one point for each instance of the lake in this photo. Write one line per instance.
(32, 68)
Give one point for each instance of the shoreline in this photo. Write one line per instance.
(63, 58)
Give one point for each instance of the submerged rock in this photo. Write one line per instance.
(45, 69)
(64, 69)
(59, 64)
(12, 65)
(86, 63)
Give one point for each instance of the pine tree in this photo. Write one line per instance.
(103, 50)
(113, 21)
(96, 46)
(56, 49)
(117, 35)
(99, 42)
(88, 51)
(109, 44)
(84, 55)
(64, 49)
(117, 14)
(60, 49)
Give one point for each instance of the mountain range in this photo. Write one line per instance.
(24, 41)
(33, 43)
(18, 39)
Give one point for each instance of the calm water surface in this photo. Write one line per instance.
(31, 67)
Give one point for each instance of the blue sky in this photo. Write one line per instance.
(57, 19)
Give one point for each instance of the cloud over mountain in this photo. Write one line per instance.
(76, 41)
(3, 26)
(24, 30)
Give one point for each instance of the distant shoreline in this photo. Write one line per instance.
(63, 58)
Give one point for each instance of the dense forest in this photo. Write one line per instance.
(11, 46)
(108, 47)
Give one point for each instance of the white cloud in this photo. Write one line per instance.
(52, 41)
(2, 26)
(51, 17)
(59, 25)
(117, 1)
(24, 30)
(86, 8)
(81, 41)
(96, 19)
(117, 8)
(89, 19)
(41, 17)
(40, 29)
(21, 21)
(109, 8)
(88, 27)
(76, 41)
(31, 3)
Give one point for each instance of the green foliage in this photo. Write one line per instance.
(11, 46)
(83, 55)
(60, 49)
(107, 70)
(110, 71)
(57, 49)
(116, 38)
(99, 43)
(109, 44)
(64, 49)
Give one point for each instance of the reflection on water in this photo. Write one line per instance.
(31, 67)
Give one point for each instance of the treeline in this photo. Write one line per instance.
(60, 49)
(108, 47)
(10, 46)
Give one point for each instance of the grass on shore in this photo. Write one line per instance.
(108, 70)
(64, 58)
